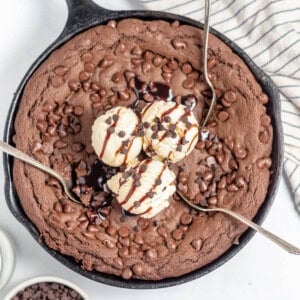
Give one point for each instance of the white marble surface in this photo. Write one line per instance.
(259, 271)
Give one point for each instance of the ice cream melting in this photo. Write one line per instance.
(114, 137)
(171, 130)
(165, 129)
(145, 188)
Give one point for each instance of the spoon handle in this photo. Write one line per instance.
(269, 235)
(4, 147)
(205, 70)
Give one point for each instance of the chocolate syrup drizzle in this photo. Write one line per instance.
(97, 176)
(99, 173)
(159, 91)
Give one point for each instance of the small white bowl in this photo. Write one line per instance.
(7, 258)
(41, 279)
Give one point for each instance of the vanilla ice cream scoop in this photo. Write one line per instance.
(114, 137)
(171, 130)
(145, 188)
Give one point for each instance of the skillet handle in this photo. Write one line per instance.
(81, 15)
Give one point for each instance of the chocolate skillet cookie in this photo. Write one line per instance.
(110, 66)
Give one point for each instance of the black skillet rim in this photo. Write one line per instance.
(273, 108)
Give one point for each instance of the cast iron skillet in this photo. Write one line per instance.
(84, 14)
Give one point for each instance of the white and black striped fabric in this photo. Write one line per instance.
(269, 31)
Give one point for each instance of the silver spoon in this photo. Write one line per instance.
(66, 184)
(269, 235)
(205, 72)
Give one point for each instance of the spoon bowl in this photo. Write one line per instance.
(66, 184)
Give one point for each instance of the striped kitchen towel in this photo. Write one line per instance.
(269, 31)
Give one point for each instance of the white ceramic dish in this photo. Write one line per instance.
(21, 286)
(7, 258)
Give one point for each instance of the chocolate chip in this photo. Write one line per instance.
(162, 231)
(84, 76)
(178, 44)
(230, 96)
(116, 78)
(197, 244)
(220, 158)
(95, 98)
(77, 147)
(265, 120)
(123, 232)
(138, 269)
(105, 63)
(157, 60)
(86, 86)
(60, 70)
(179, 148)
(57, 207)
(123, 95)
(111, 130)
(264, 163)
(47, 290)
(127, 273)
(120, 49)
(194, 75)
(146, 67)
(109, 244)
(115, 118)
(60, 144)
(222, 183)
(89, 67)
(173, 65)
(240, 152)
(78, 110)
(154, 136)
(121, 133)
(137, 183)
(264, 99)
(108, 120)
(167, 76)
(146, 125)
(240, 182)
(112, 24)
(264, 137)
(74, 85)
(188, 83)
(225, 103)
(186, 68)
(232, 188)
(233, 164)
(175, 24)
(177, 234)
(143, 168)
(203, 186)
(136, 61)
(151, 254)
(223, 116)
(212, 201)
(148, 55)
(200, 145)
(86, 56)
(123, 252)
(136, 50)
(186, 219)
(148, 97)
(183, 141)
(158, 181)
